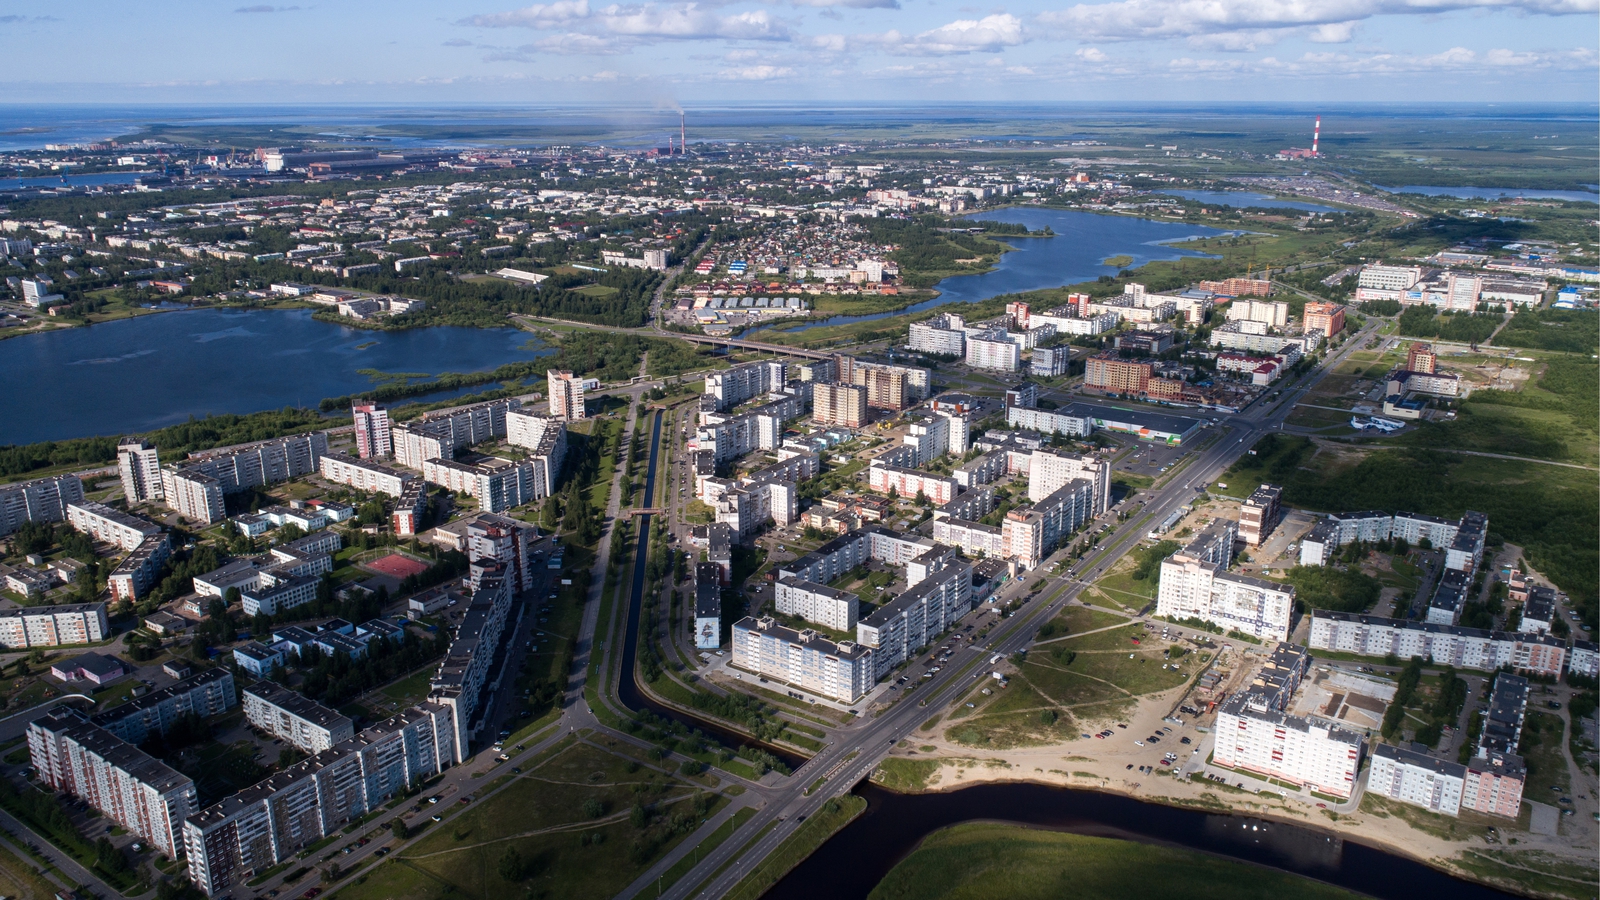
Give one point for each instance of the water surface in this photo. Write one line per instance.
(133, 375)
(1489, 193)
(1248, 198)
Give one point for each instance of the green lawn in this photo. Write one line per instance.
(1542, 735)
(905, 775)
(985, 861)
(1076, 620)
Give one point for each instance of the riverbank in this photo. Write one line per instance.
(1540, 866)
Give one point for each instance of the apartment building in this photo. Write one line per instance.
(53, 626)
(899, 629)
(1326, 319)
(206, 693)
(566, 395)
(888, 386)
(1584, 659)
(111, 526)
(271, 821)
(803, 659)
(707, 605)
(374, 439)
(1254, 733)
(996, 353)
(1030, 533)
(497, 484)
(410, 509)
(195, 487)
(136, 573)
(1050, 470)
(1049, 362)
(935, 336)
(1048, 421)
(467, 676)
(839, 404)
(39, 500)
(816, 603)
(1496, 775)
(1420, 357)
(194, 495)
(440, 435)
(130, 787)
(1259, 514)
(1417, 779)
(1272, 313)
(1192, 588)
(1108, 374)
(973, 539)
(140, 468)
(508, 542)
(1464, 648)
(910, 482)
(731, 387)
(365, 474)
(288, 714)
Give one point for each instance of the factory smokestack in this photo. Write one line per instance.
(1316, 134)
(683, 134)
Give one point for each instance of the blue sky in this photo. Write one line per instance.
(662, 52)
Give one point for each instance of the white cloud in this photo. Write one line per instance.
(1090, 54)
(989, 34)
(850, 4)
(1336, 65)
(643, 22)
(1333, 33)
(1132, 20)
(1236, 41)
(755, 73)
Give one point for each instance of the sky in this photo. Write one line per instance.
(669, 52)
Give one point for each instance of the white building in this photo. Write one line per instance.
(997, 353)
(1417, 779)
(566, 395)
(1194, 589)
(910, 482)
(1252, 735)
(937, 337)
(1464, 648)
(53, 626)
(112, 526)
(497, 484)
(1049, 470)
(140, 469)
(816, 603)
(365, 475)
(286, 714)
(39, 500)
(803, 659)
(900, 628)
(707, 606)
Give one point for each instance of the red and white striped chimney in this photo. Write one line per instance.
(1316, 134)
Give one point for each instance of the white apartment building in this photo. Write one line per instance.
(899, 629)
(1049, 471)
(958, 429)
(39, 500)
(803, 659)
(132, 788)
(112, 526)
(467, 675)
(497, 484)
(996, 353)
(53, 626)
(271, 821)
(839, 404)
(1252, 734)
(816, 603)
(1388, 278)
(929, 439)
(734, 386)
(566, 395)
(1274, 313)
(194, 494)
(936, 337)
(1417, 779)
(1048, 421)
(140, 469)
(365, 475)
(1464, 648)
(973, 539)
(1193, 589)
(287, 714)
(374, 438)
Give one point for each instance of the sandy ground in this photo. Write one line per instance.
(1104, 764)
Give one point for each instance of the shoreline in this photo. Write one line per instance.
(1358, 831)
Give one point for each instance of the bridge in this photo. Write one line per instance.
(747, 345)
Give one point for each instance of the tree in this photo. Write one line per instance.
(593, 808)
(511, 867)
(230, 597)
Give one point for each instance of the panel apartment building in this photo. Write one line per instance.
(1195, 584)
(203, 694)
(53, 626)
(288, 714)
(468, 675)
(1464, 648)
(271, 821)
(439, 435)
(839, 404)
(1254, 733)
(196, 487)
(803, 659)
(365, 474)
(131, 787)
(497, 484)
(39, 500)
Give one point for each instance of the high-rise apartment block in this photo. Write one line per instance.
(373, 437)
(1107, 374)
(1259, 514)
(1255, 733)
(39, 500)
(1421, 358)
(803, 659)
(140, 470)
(132, 788)
(566, 394)
(288, 714)
(1326, 319)
(839, 404)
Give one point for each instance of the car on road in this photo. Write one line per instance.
(438, 818)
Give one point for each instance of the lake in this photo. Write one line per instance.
(1247, 198)
(1076, 253)
(134, 375)
(68, 180)
(1489, 193)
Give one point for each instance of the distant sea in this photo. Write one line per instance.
(31, 126)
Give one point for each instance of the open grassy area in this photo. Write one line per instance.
(834, 815)
(1015, 716)
(905, 775)
(20, 879)
(1542, 735)
(982, 861)
(572, 825)
(1531, 872)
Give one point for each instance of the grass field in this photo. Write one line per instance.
(905, 775)
(19, 879)
(545, 817)
(984, 861)
(1542, 735)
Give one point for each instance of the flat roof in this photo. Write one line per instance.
(1166, 423)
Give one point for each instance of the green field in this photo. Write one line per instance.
(985, 861)
(905, 775)
(570, 824)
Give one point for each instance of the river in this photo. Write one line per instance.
(853, 861)
(1489, 193)
(1247, 199)
(1077, 251)
(134, 375)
